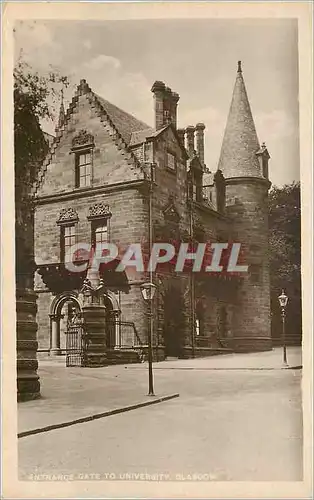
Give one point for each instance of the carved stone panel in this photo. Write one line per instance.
(99, 210)
(67, 215)
(83, 138)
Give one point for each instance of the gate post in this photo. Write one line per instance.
(94, 320)
(28, 386)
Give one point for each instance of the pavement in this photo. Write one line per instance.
(242, 423)
(71, 395)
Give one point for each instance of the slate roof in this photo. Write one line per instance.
(125, 123)
(240, 143)
(140, 136)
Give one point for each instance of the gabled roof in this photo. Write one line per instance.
(150, 133)
(140, 136)
(123, 124)
(129, 130)
(238, 156)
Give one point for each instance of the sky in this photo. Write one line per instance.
(196, 58)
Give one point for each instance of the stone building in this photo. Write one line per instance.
(110, 177)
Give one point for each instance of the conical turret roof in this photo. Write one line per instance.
(240, 143)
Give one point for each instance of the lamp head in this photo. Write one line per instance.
(283, 299)
(148, 291)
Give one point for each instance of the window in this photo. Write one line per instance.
(83, 169)
(146, 152)
(99, 232)
(196, 187)
(171, 161)
(68, 239)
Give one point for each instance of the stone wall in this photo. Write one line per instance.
(247, 206)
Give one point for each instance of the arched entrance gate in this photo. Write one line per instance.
(67, 334)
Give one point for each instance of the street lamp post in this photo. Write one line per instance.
(283, 300)
(148, 292)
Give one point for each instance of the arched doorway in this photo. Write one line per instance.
(173, 327)
(65, 310)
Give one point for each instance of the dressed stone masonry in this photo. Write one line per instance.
(127, 163)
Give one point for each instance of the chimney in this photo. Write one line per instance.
(166, 103)
(173, 107)
(190, 140)
(200, 127)
(158, 90)
(181, 134)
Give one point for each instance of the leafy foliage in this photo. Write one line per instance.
(285, 254)
(31, 93)
(31, 105)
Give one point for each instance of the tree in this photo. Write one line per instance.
(285, 255)
(32, 93)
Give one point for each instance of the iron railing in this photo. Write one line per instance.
(124, 335)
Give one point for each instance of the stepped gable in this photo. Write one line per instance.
(123, 123)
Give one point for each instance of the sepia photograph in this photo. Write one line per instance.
(157, 242)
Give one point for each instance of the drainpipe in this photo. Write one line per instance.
(150, 237)
(192, 284)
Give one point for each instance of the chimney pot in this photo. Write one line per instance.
(200, 126)
(158, 85)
